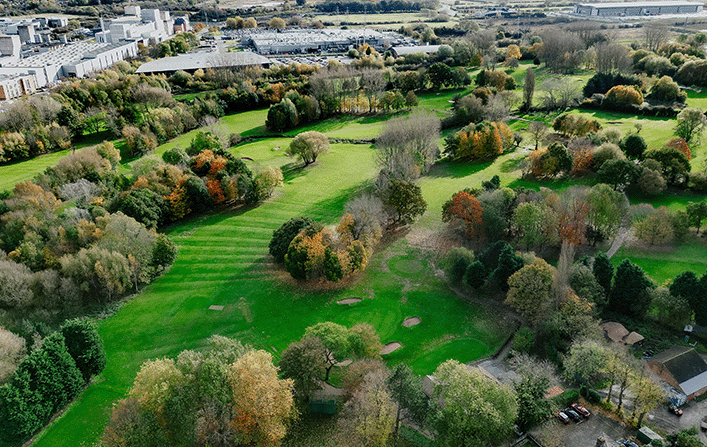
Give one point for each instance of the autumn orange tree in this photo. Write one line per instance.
(466, 210)
(228, 394)
(478, 142)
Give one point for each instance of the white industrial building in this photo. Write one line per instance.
(14, 86)
(137, 24)
(71, 60)
(213, 59)
(315, 40)
(637, 9)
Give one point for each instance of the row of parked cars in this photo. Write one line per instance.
(574, 412)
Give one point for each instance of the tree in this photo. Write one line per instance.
(618, 173)
(477, 411)
(656, 34)
(308, 146)
(691, 123)
(657, 228)
(537, 130)
(651, 182)
(612, 58)
(12, 351)
(85, 346)
(407, 147)
(145, 206)
(368, 419)
(687, 286)
(634, 146)
(406, 390)
(671, 311)
(263, 402)
(476, 274)
(465, 209)
(561, 51)
(440, 75)
(282, 237)
(529, 290)
(629, 294)
(624, 95)
(336, 340)
(607, 210)
(586, 360)
(250, 23)
(405, 200)
(282, 116)
(665, 90)
(696, 213)
(647, 394)
(529, 89)
(277, 23)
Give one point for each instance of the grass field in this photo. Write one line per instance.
(223, 260)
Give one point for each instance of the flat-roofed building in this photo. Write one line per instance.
(636, 9)
(193, 61)
(14, 86)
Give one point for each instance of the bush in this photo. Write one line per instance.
(667, 90)
(603, 82)
(624, 95)
(634, 146)
(524, 340)
(176, 156)
(692, 73)
(458, 260)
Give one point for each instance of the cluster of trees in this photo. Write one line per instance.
(48, 378)
(486, 140)
(622, 162)
(353, 6)
(82, 234)
(228, 394)
(537, 219)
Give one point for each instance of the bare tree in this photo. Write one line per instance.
(373, 83)
(408, 145)
(560, 93)
(656, 34)
(561, 51)
(47, 108)
(537, 131)
(496, 108)
(612, 58)
(528, 88)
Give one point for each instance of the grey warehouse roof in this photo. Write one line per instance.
(640, 4)
(427, 49)
(194, 61)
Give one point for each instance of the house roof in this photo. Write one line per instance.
(633, 338)
(615, 331)
(684, 364)
(694, 384)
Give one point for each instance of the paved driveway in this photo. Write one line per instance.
(584, 433)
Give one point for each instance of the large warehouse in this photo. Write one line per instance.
(635, 9)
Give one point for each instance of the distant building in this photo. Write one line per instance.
(413, 49)
(139, 25)
(72, 60)
(683, 369)
(634, 9)
(317, 40)
(193, 61)
(14, 86)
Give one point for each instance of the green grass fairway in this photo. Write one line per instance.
(223, 261)
(664, 264)
(15, 173)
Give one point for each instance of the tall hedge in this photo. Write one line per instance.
(85, 346)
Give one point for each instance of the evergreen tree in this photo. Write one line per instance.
(629, 294)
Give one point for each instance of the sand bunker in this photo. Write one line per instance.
(349, 301)
(412, 321)
(390, 347)
(215, 307)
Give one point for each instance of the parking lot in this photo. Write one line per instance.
(583, 433)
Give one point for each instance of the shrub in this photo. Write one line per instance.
(625, 94)
(572, 124)
(458, 260)
(603, 82)
(692, 73)
(176, 156)
(524, 340)
(634, 146)
(666, 90)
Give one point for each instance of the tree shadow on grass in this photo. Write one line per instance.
(293, 170)
(510, 165)
(457, 169)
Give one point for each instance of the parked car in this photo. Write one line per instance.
(562, 417)
(572, 414)
(675, 410)
(628, 443)
(581, 410)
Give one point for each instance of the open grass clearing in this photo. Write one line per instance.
(665, 263)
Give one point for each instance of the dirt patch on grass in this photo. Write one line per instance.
(390, 347)
(350, 301)
(411, 321)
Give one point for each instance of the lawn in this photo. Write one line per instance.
(665, 263)
(223, 260)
